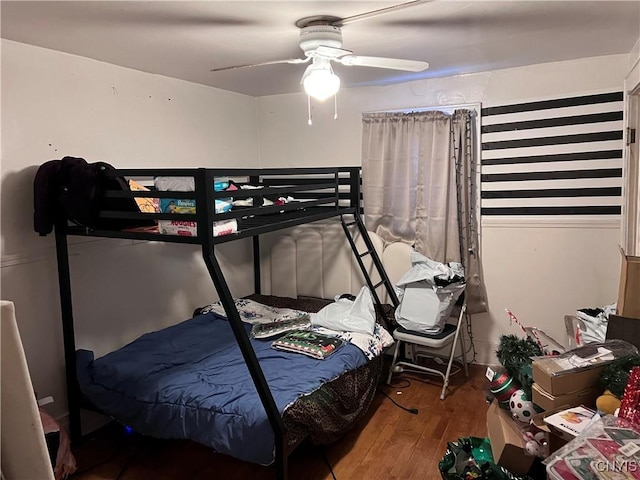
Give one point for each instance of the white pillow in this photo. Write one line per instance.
(347, 315)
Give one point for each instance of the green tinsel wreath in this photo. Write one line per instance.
(616, 375)
(514, 353)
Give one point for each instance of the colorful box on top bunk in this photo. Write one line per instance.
(577, 369)
(190, 229)
(176, 205)
(187, 184)
(187, 205)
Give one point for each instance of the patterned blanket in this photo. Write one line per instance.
(253, 312)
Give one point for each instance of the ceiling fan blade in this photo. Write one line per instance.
(272, 62)
(376, 13)
(331, 52)
(381, 62)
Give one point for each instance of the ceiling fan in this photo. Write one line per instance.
(321, 42)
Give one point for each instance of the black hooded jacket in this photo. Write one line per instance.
(72, 189)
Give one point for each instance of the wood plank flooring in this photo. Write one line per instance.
(388, 444)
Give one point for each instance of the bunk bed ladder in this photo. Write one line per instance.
(357, 221)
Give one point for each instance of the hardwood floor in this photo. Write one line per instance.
(389, 443)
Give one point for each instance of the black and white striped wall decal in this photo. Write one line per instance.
(553, 157)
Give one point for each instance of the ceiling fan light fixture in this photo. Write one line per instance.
(319, 81)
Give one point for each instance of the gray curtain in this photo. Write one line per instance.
(419, 187)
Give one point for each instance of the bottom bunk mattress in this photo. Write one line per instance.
(190, 381)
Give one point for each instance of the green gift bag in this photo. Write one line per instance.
(471, 458)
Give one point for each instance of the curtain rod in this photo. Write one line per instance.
(427, 109)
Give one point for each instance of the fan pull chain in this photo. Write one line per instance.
(335, 106)
(310, 122)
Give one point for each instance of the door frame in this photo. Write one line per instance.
(631, 179)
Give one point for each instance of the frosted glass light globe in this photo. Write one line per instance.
(321, 84)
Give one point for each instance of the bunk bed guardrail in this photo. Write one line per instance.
(314, 193)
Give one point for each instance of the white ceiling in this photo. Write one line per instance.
(186, 39)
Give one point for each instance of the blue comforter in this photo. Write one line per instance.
(189, 381)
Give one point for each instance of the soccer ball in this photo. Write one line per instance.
(521, 407)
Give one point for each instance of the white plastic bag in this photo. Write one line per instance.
(588, 325)
(424, 305)
(593, 327)
(347, 315)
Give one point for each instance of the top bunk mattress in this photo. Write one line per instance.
(190, 381)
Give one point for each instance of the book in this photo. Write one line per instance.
(312, 344)
(272, 329)
(572, 420)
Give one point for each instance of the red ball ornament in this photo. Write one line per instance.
(502, 387)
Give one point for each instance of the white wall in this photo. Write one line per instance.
(55, 104)
(540, 272)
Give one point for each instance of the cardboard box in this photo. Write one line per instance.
(567, 429)
(550, 377)
(554, 441)
(190, 229)
(629, 291)
(507, 442)
(548, 401)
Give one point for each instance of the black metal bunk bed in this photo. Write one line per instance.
(320, 193)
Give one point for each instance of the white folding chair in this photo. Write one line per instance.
(449, 336)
